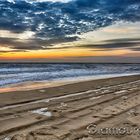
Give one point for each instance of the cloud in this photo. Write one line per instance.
(59, 19)
(129, 43)
(39, 24)
(124, 40)
(64, 1)
(32, 44)
(136, 49)
(11, 51)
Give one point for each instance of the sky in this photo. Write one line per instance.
(70, 31)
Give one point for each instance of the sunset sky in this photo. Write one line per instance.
(70, 30)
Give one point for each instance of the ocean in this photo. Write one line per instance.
(15, 73)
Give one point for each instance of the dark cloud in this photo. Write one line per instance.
(135, 49)
(33, 44)
(112, 45)
(132, 44)
(37, 44)
(11, 51)
(123, 40)
(54, 20)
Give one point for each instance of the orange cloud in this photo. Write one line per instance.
(61, 53)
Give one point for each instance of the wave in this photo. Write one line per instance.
(18, 73)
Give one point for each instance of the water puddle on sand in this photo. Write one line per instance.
(6, 138)
(42, 111)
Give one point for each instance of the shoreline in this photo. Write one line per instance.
(23, 96)
(34, 85)
(65, 112)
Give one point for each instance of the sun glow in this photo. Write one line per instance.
(61, 53)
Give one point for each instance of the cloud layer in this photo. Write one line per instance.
(128, 43)
(56, 20)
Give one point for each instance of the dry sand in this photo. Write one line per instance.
(71, 112)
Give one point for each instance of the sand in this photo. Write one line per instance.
(87, 110)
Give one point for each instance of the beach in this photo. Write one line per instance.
(69, 69)
(73, 111)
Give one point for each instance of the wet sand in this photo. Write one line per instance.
(72, 111)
